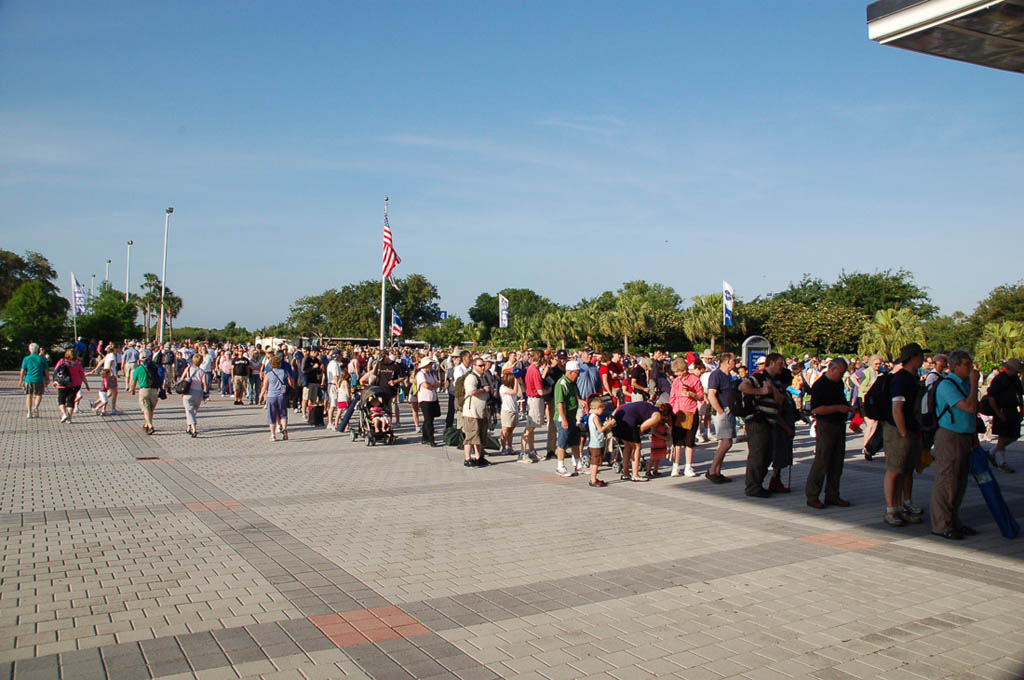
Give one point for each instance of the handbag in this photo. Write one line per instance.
(684, 419)
(184, 386)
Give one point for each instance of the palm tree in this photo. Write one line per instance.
(475, 332)
(523, 331)
(149, 300)
(704, 319)
(890, 330)
(585, 322)
(1000, 341)
(172, 307)
(558, 326)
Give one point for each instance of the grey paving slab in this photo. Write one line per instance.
(126, 568)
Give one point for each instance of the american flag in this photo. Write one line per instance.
(396, 323)
(391, 259)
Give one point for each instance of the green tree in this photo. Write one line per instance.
(886, 289)
(946, 333)
(1000, 341)
(1003, 303)
(148, 304)
(475, 332)
(558, 328)
(109, 317)
(703, 320)
(34, 313)
(485, 309)
(448, 333)
(806, 291)
(16, 270)
(890, 330)
(416, 302)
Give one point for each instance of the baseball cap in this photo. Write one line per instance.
(572, 366)
(909, 351)
(562, 354)
(761, 361)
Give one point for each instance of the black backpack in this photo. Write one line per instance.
(741, 405)
(878, 400)
(927, 418)
(62, 375)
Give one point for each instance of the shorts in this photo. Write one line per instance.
(35, 389)
(311, 392)
(129, 368)
(1009, 428)
(332, 394)
(277, 409)
(568, 439)
(148, 397)
(625, 432)
(902, 454)
(534, 412)
(681, 437)
(704, 410)
(509, 419)
(343, 405)
(104, 397)
(725, 425)
(66, 396)
(473, 429)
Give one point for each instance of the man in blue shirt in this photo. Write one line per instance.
(34, 369)
(956, 403)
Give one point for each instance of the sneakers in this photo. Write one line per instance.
(912, 509)
(470, 463)
(689, 471)
(29, 415)
(894, 519)
(273, 437)
(714, 479)
(910, 518)
(579, 465)
(1005, 467)
(482, 462)
(532, 457)
(523, 458)
(63, 418)
(760, 493)
(561, 471)
(675, 470)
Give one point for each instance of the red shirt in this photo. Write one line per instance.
(534, 383)
(612, 367)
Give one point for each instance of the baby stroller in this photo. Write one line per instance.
(365, 426)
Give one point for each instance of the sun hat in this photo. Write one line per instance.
(424, 362)
(707, 354)
(1014, 365)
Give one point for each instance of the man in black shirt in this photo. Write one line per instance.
(1004, 396)
(311, 372)
(902, 438)
(830, 408)
(240, 368)
(387, 375)
(762, 425)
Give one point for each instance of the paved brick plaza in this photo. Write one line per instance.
(231, 556)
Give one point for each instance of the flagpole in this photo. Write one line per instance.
(382, 277)
(74, 311)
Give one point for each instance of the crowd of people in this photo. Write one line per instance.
(588, 408)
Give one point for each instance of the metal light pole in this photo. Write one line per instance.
(128, 270)
(106, 277)
(163, 276)
(92, 286)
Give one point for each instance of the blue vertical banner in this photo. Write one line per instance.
(728, 295)
(502, 311)
(396, 324)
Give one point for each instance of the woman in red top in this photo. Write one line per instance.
(66, 393)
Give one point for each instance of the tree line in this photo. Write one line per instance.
(861, 313)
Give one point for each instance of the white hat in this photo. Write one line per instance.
(572, 366)
(424, 362)
(761, 360)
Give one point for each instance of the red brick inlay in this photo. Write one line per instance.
(362, 626)
(842, 541)
(214, 506)
(156, 461)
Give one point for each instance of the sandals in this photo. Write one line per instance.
(598, 484)
(637, 478)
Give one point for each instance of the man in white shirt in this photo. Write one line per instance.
(333, 368)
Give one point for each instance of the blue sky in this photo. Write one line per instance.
(566, 147)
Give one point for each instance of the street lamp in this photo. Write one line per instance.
(106, 277)
(163, 276)
(128, 270)
(92, 286)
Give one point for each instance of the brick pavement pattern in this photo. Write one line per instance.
(227, 556)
